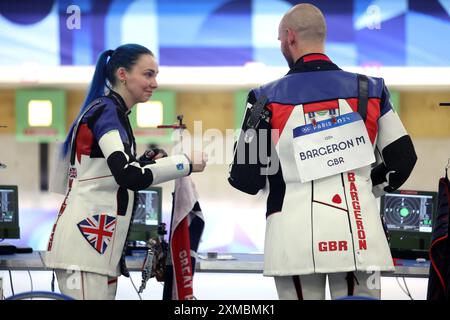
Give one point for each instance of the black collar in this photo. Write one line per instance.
(120, 102)
(313, 62)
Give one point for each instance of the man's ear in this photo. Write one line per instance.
(291, 37)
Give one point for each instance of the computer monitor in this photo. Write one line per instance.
(147, 215)
(409, 218)
(9, 212)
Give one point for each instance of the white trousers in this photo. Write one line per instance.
(345, 284)
(82, 285)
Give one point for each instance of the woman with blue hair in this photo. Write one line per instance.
(86, 246)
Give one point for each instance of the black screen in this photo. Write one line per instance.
(148, 209)
(409, 219)
(9, 214)
(147, 214)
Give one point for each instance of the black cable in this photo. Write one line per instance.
(407, 289)
(52, 285)
(11, 282)
(403, 289)
(131, 279)
(31, 281)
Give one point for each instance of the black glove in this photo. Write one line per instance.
(150, 154)
(380, 174)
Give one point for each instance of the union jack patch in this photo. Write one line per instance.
(98, 231)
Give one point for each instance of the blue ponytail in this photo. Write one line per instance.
(124, 56)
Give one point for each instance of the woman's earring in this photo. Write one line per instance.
(124, 82)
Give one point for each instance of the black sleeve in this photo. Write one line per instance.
(394, 146)
(135, 175)
(129, 174)
(399, 158)
(252, 152)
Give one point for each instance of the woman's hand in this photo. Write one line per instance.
(198, 160)
(153, 154)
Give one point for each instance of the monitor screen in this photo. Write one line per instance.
(409, 218)
(147, 215)
(409, 210)
(9, 213)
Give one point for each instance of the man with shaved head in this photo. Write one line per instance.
(328, 142)
(302, 30)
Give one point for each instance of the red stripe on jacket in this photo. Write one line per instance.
(320, 106)
(84, 141)
(373, 114)
(280, 115)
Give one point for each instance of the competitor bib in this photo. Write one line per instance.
(329, 148)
